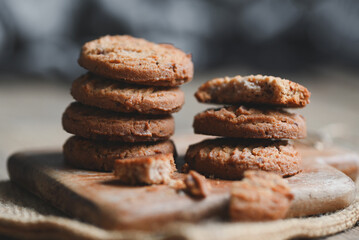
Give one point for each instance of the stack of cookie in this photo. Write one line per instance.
(124, 103)
(255, 126)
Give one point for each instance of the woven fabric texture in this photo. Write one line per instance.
(25, 216)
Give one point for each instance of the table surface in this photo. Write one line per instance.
(31, 109)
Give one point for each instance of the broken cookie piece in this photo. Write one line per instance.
(185, 168)
(196, 185)
(260, 196)
(155, 169)
(254, 89)
(177, 184)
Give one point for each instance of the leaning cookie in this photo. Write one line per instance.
(95, 123)
(228, 158)
(254, 89)
(244, 122)
(96, 91)
(136, 60)
(260, 196)
(101, 155)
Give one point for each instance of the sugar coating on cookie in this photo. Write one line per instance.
(137, 60)
(116, 96)
(260, 196)
(101, 155)
(246, 122)
(95, 123)
(229, 158)
(155, 169)
(253, 89)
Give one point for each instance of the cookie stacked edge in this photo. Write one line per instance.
(255, 126)
(124, 103)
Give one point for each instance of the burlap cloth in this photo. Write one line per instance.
(25, 216)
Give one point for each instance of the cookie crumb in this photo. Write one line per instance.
(185, 168)
(155, 169)
(196, 185)
(177, 184)
(260, 196)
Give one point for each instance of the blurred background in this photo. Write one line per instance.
(43, 37)
(315, 43)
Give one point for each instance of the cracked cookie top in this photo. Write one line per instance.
(253, 89)
(137, 61)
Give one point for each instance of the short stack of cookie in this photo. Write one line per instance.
(255, 127)
(124, 103)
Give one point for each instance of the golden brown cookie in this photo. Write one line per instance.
(95, 123)
(253, 89)
(101, 155)
(260, 196)
(196, 185)
(136, 60)
(113, 95)
(244, 122)
(155, 169)
(228, 158)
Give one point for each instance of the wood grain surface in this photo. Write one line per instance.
(97, 198)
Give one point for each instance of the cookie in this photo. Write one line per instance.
(253, 89)
(113, 95)
(155, 169)
(244, 122)
(228, 158)
(260, 196)
(101, 155)
(136, 60)
(196, 185)
(95, 123)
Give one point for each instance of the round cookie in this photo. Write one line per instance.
(95, 123)
(100, 155)
(243, 122)
(253, 89)
(229, 158)
(136, 60)
(96, 91)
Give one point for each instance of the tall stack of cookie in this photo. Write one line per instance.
(255, 126)
(124, 103)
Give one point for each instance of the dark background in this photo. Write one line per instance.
(43, 37)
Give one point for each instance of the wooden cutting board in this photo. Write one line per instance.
(99, 199)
